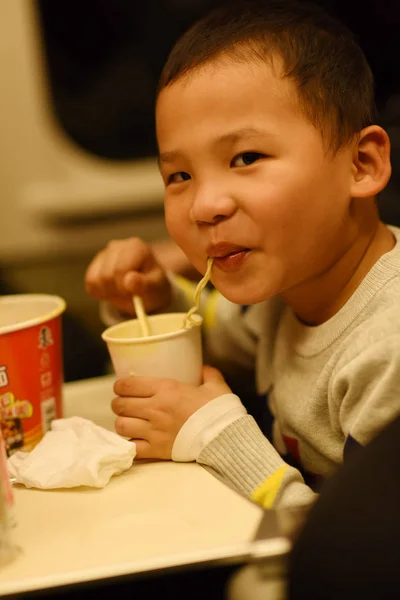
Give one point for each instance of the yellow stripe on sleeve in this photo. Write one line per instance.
(266, 493)
(210, 312)
(187, 287)
(210, 309)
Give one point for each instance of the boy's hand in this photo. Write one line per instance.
(152, 410)
(127, 267)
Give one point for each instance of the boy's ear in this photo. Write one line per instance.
(371, 163)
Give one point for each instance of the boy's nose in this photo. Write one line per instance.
(212, 206)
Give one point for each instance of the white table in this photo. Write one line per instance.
(156, 515)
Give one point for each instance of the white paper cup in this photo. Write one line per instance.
(171, 351)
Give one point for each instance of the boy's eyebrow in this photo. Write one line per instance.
(168, 157)
(232, 137)
(238, 134)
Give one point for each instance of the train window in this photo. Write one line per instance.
(104, 58)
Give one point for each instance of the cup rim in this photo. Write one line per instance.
(152, 338)
(60, 306)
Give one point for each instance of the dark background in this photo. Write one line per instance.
(105, 57)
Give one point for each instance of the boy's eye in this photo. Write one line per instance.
(245, 158)
(178, 177)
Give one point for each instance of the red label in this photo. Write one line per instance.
(31, 380)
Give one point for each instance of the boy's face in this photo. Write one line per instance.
(248, 181)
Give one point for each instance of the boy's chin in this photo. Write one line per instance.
(244, 296)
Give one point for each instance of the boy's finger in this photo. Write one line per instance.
(143, 449)
(93, 273)
(152, 280)
(131, 282)
(131, 255)
(125, 406)
(137, 387)
(212, 375)
(156, 290)
(132, 428)
(108, 271)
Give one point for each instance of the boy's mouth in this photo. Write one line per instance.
(228, 257)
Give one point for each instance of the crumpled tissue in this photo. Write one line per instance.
(76, 452)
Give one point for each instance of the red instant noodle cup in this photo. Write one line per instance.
(31, 368)
(8, 548)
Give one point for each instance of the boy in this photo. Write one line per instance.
(272, 164)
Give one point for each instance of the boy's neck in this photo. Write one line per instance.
(322, 298)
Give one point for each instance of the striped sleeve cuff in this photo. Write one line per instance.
(244, 457)
(205, 425)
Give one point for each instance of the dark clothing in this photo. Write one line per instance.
(350, 545)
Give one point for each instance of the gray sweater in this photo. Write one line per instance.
(330, 388)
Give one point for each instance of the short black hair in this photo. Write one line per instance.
(334, 81)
